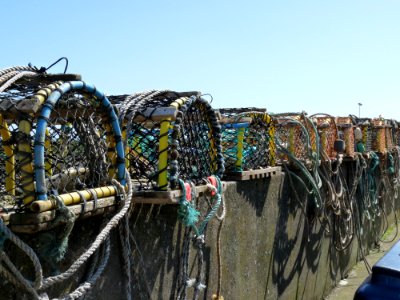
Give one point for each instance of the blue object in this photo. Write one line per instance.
(384, 282)
(40, 136)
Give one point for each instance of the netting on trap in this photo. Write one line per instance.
(328, 134)
(78, 144)
(346, 133)
(169, 136)
(378, 135)
(248, 139)
(293, 134)
(396, 135)
(366, 129)
(390, 134)
(18, 105)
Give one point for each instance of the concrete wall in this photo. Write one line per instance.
(269, 249)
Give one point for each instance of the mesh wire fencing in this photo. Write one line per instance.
(378, 135)
(16, 130)
(346, 133)
(294, 134)
(247, 139)
(169, 136)
(79, 149)
(328, 134)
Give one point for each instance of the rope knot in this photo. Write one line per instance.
(199, 241)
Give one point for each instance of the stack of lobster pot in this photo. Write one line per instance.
(169, 136)
(247, 139)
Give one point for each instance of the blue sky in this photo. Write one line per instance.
(317, 56)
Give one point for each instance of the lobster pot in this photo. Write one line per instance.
(78, 144)
(378, 136)
(397, 134)
(367, 136)
(328, 134)
(390, 134)
(291, 136)
(170, 136)
(346, 132)
(247, 139)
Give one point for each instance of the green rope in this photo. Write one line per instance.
(217, 200)
(187, 213)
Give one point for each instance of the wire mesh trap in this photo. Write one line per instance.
(19, 102)
(248, 140)
(378, 135)
(365, 125)
(297, 135)
(57, 139)
(328, 134)
(169, 136)
(346, 133)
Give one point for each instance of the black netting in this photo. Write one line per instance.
(169, 136)
(79, 151)
(247, 140)
(16, 144)
(291, 135)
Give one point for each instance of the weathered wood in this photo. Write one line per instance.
(157, 114)
(236, 120)
(253, 174)
(48, 78)
(166, 197)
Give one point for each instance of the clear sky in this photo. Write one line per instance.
(294, 55)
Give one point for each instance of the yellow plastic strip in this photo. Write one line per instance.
(291, 140)
(25, 150)
(239, 153)
(74, 198)
(25, 157)
(272, 146)
(163, 155)
(111, 153)
(10, 160)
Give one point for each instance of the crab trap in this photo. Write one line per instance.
(296, 138)
(378, 135)
(169, 136)
(248, 143)
(60, 141)
(390, 134)
(366, 128)
(328, 135)
(346, 133)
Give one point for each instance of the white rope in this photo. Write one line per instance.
(87, 286)
(38, 273)
(97, 242)
(16, 68)
(17, 77)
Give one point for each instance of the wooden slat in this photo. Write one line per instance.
(253, 174)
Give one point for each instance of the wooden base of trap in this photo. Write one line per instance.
(29, 222)
(253, 174)
(166, 197)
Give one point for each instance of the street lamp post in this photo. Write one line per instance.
(359, 109)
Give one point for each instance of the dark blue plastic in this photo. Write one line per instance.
(384, 282)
